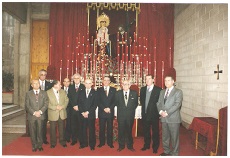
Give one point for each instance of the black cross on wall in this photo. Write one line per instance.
(218, 72)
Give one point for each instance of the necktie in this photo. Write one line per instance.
(87, 93)
(166, 96)
(126, 96)
(57, 96)
(43, 86)
(66, 90)
(36, 94)
(106, 91)
(148, 89)
(76, 88)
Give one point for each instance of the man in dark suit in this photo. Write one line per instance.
(87, 103)
(44, 85)
(149, 96)
(36, 104)
(58, 102)
(73, 93)
(106, 103)
(169, 105)
(65, 87)
(126, 101)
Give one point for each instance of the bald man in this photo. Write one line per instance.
(87, 105)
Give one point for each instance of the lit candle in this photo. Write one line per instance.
(125, 36)
(83, 39)
(117, 36)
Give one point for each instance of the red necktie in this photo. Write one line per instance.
(76, 88)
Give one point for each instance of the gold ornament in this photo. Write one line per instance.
(103, 18)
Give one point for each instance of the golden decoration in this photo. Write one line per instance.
(103, 17)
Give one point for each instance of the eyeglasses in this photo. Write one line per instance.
(76, 78)
(43, 75)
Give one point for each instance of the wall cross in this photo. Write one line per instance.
(218, 71)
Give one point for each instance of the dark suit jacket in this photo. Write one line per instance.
(73, 95)
(152, 112)
(106, 102)
(126, 112)
(172, 105)
(32, 106)
(48, 85)
(88, 104)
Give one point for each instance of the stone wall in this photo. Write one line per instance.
(201, 42)
(7, 42)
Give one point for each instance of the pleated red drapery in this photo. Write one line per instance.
(68, 21)
(156, 23)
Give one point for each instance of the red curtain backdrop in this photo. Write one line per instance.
(67, 20)
(156, 22)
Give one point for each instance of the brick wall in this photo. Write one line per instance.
(201, 42)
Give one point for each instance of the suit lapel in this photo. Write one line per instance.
(130, 96)
(171, 94)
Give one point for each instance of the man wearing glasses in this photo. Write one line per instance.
(73, 93)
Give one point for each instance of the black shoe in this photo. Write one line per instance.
(92, 148)
(64, 145)
(73, 143)
(52, 146)
(111, 146)
(154, 151)
(164, 154)
(34, 149)
(40, 149)
(100, 145)
(144, 148)
(81, 147)
(119, 149)
(46, 142)
(131, 149)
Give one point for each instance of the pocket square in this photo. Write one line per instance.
(132, 98)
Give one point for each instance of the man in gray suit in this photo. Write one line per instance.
(126, 101)
(36, 104)
(169, 105)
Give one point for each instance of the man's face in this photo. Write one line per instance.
(126, 85)
(42, 76)
(57, 86)
(35, 84)
(88, 84)
(106, 81)
(149, 80)
(66, 82)
(169, 82)
(77, 79)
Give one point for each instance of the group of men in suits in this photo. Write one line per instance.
(77, 103)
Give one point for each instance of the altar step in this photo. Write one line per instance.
(13, 119)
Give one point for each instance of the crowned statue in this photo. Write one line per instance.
(103, 35)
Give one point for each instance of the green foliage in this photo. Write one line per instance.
(7, 81)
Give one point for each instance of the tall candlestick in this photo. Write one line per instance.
(60, 70)
(67, 68)
(162, 75)
(170, 53)
(51, 52)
